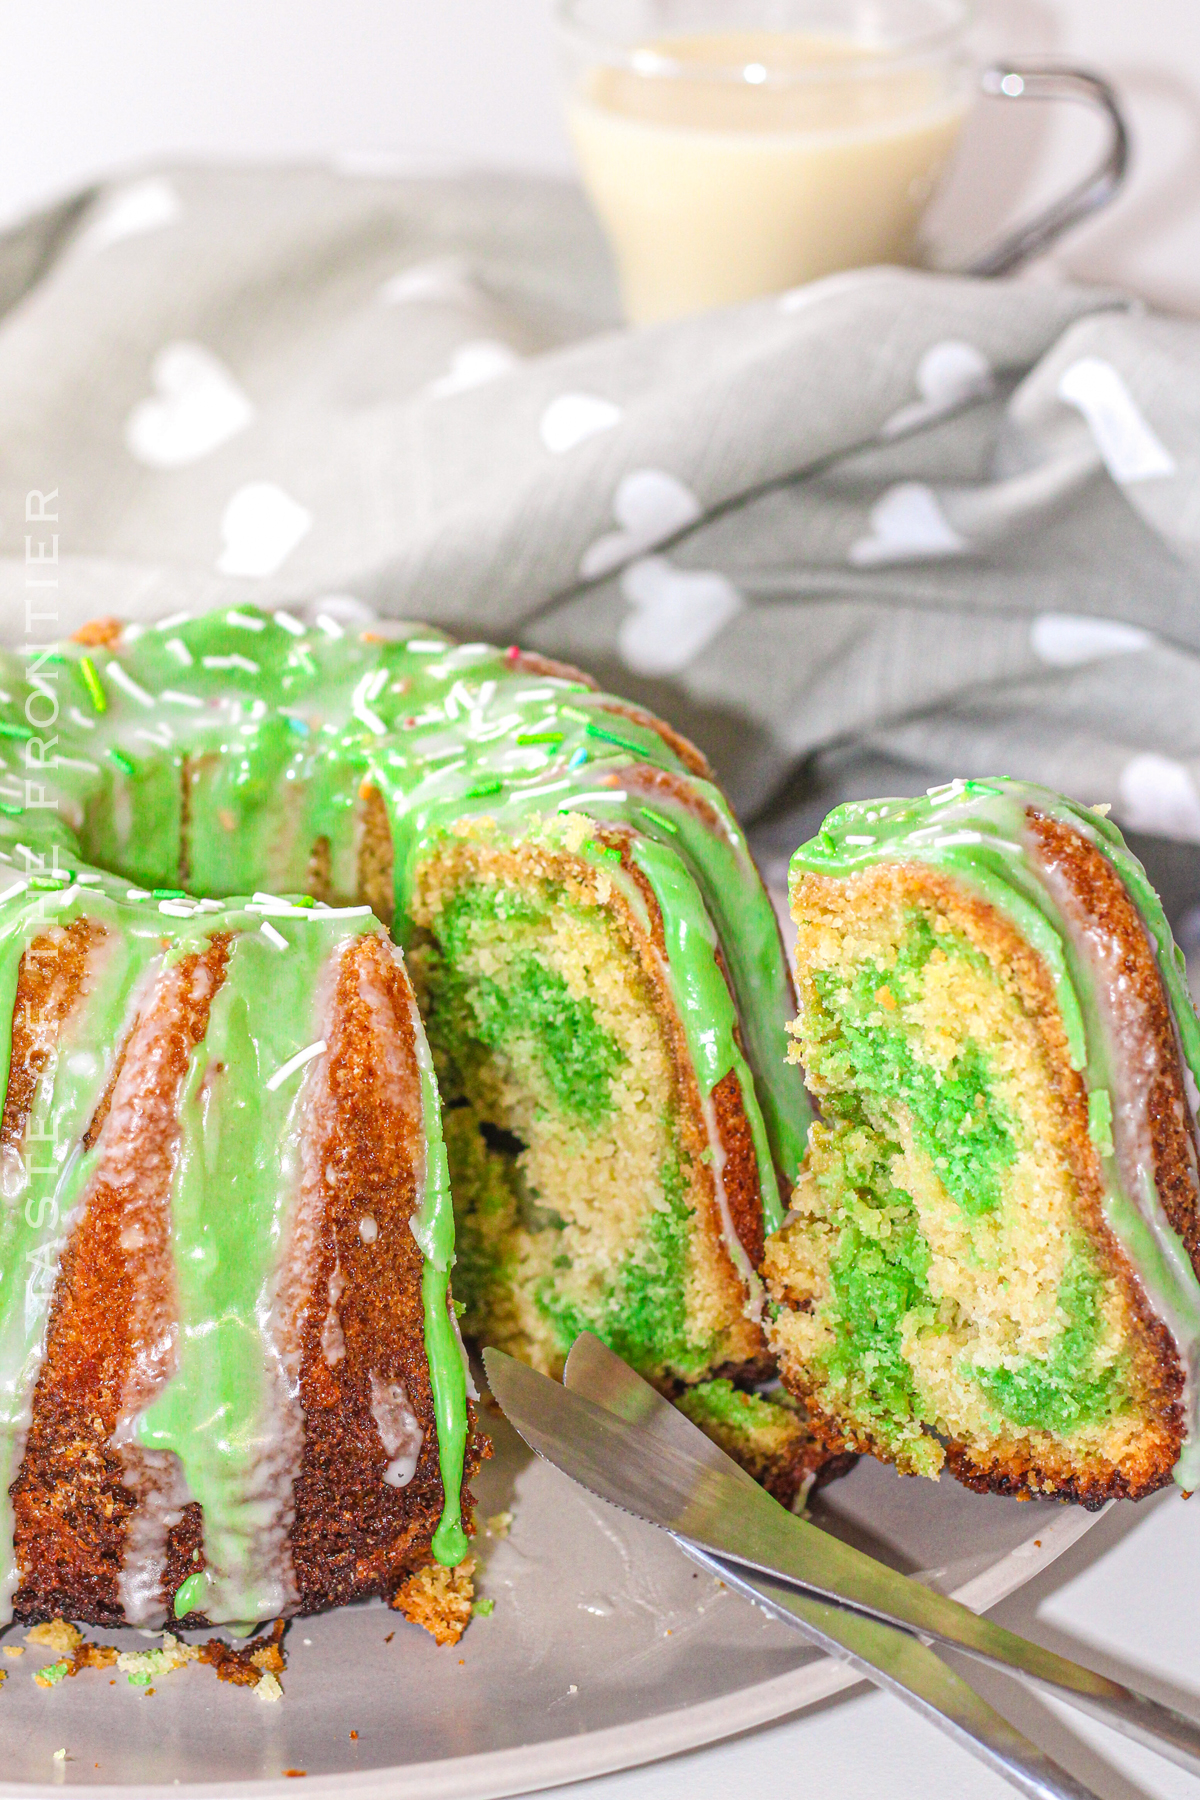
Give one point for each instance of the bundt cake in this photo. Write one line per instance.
(990, 1260)
(230, 1384)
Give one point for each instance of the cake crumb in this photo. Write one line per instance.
(439, 1599)
(354, 1737)
(14, 1649)
(499, 1525)
(59, 1756)
(483, 1609)
(58, 1635)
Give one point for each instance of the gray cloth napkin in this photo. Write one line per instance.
(885, 527)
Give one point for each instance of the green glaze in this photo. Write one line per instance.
(273, 727)
(978, 831)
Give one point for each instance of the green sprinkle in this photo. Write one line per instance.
(123, 762)
(140, 1678)
(540, 737)
(15, 731)
(11, 812)
(46, 882)
(490, 785)
(609, 852)
(1100, 1118)
(648, 812)
(93, 684)
(167, 894)
(189, 1593)
(51, 1675)
(612, 737)
(304, 900)
(484, 1608)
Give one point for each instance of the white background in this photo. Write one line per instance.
(87, 88)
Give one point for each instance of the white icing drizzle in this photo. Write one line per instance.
(399, 1429)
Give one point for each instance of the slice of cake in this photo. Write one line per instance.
(990, 1257)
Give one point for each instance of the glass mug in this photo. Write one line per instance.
(740, 147)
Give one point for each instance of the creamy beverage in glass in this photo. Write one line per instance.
(741, 148)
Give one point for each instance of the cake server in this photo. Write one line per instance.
(618, 1437)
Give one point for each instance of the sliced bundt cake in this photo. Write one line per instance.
(990, 1257)
(605, 995)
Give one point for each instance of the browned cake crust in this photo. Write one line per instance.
(109, 1336)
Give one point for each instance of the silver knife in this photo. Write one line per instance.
(639, 1452)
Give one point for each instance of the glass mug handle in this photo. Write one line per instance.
(1048, 81)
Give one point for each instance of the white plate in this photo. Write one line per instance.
(606, 1649)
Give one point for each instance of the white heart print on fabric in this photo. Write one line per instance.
(677, 613)
(649, 507)
(1131, 449)
(260, 527)
(571, 418)
(483, 359)
(1068, 640)
(907, 525)
(1158, 794)
(197, 407)
(449, 278)
(948, 376)
(142, 206)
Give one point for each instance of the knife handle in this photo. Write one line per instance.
(901, 1665)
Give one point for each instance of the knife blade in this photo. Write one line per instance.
(627, 1444)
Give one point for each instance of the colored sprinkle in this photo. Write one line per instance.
(513, 653)
(132, 688)
(10, 811)
(189, 1592)
(648, 812)
(167, 894)
(123, 762)
(246, 621)
(15, 731)
(540, 737)
(274, 937)
(296, 1062)
(573, 712)
(578, 758)
(49, 882)
(482, 788)
(93, 684)
(611, 737)
(483, 1609)
(289, 622)
(609, 852)
(299, 726)
(574, 801)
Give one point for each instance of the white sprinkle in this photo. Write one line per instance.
(18, 887)
(77, 716)
(859, 840)
(425, 646)
(210, 906)
(137, 894)
(161, 735)
(274, 937)
(174, 698)
(131, 633)
(77, 762)
(178, 909)
(574, 801)
(178, 648)
(377, 684)
(295, 1062)
(173, 619)
(232, 662)
(370, 719)
(368, 1230)
(89, 879)
(289, 623)
(126, 681)
(329, 626)
(343, 912)
(246, 621)
(270, 899)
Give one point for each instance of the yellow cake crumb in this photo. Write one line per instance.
(439, 1599)
(59, 1635)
